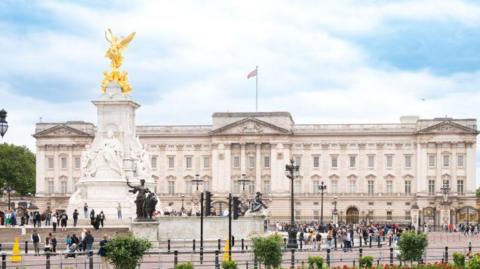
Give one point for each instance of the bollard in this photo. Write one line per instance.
(193, 245)
(47, 263)
(353, 263)
(255, 262)
(4, 261)
(217, 264)
(360, 253)
(446, 254)
(301, 243)
(26, 247)
(470, 247)
(292, 261)
(219, 244)
(335, 242)
(284, 243)
(243, 245)
(303, 264)
(391, 256)
(168, 245)
(175, 258)
(390, 241)
(90, 260)
(370, 244)
(246, 265)
(378, 262)
(360, 237)
(328, 257)
(378, 241)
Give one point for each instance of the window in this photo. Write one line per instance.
(171, 162)
(389, 215)
(408, 187)
(407, 215)
(266, 162)
(408, 161)
(206, 162)
(431, 187)
(431, 161)
(171, 187)
(352, 186)
(251, 187)
(236, 162)
(460, 160)
(63, 162)
(188, 162)
(446, 160)
(353, 161)
(297, 186)
(446, 183)
(389, 161)
(50, 162)
(389, 203)
(370, 203)
(236, 187)
(334, 161)
(371, 161)
(266, 186)
(316, 161)
(297, 214)
(188, 187)
(460, 187)
(389, 187)
(63, 186)
(251, 161)
(316, 215)
(316, 186)
(77, 162)
(153, 162)
(298, 160)
(371, 187)
(50, 187)
(334, 186)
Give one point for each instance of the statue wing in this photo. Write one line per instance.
(124, 43)
(109, 35)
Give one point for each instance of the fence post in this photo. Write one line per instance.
(301, 243)
(219, 244)
(292, 261)
(378, 241)
(360, 254)
(175, 258)
(47, 263)
(255, 262)
(390, 241)
(360, 237)
(246, 265)
(470, 246)
(354, 263)
(168, 245)
(90, 260)
(193, 246)
(446, 254)
(26, 247)
(391, 256)
(217, 264)
(243, 244)
(335, 242)
(284, 243)
(4, 261)
(328, 257)
(370, 244)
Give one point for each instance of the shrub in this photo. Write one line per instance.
(458, 259)
(366, 262)
(187, 265)
(315, 262)
(229, 265)
(125, 251)
(268, 250)
(474, 262)
(412, 246)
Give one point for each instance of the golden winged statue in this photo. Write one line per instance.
(114, 53)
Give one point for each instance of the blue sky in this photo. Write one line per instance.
(340, 61)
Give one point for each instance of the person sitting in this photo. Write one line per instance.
(71, 250)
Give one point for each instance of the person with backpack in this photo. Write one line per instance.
(36, 242)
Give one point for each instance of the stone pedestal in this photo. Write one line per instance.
(146, 229)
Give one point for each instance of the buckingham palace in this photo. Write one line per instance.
(372, 172)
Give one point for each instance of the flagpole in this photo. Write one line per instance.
(256, 90)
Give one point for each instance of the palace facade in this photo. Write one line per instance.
(420, 169)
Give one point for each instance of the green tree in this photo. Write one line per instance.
(412, 246)
(268, 250)
(125, 251)
(17, 168)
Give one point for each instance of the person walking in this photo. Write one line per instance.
(63, 221)
(36, 242)
(85, 210)
(89, 241)
(102, 218)
(102, 252)
(53, 243)
(54, 222)
(92, 217)
(119, 211)
(48, 218)
(75, 217)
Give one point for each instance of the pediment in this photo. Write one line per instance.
(250, 126)
(61, 130)
(447, 127)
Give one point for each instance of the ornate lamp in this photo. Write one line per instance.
(3, 122)
(292, 172)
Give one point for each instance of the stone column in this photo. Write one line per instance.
(41, 167)
(258, 167)
(243, 162)
(471, 149)
(421, 181)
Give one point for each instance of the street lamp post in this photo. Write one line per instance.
(244, 181)
(197, 181)
(291, 171)
(3, 122)
(335, 213)
(8, 190)
(322, 188)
